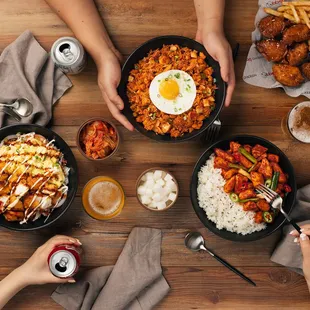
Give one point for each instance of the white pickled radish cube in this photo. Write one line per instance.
(148, 193)
(145, 200)
(149, 183)
(168, 177)
(157, 197)
(172, 196)
(161, 205)
(141, 190)
(149, 176)
(160, 182)
(171, 186)
(152, 205)
(157, 174)
(157, 188)
(143, 178)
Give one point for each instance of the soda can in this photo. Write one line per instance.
(69, 55)
(64, 261)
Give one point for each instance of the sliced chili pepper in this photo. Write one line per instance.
(268, 217)
(246, 154)
(275, 180)
(235, 166)
(268, 183)
(234, 197)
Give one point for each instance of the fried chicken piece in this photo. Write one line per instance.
(229, 174)
(296, 33)
(277, 168)
(272, 50)
(257, 178)
(220, 163)
(297, 54)
(241, 183)
(230, 185)
(258, 218)
(273, 158)
(248, 148)
(250, 206)
(305, 69)
(245, 162)
(263, 205)
(271, 26)
(266, 169)
(234, 146)
(258, 150)
(12, 216)
(249, 193)
(224, 155)
(287, 75)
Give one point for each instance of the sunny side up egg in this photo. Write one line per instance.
(173, 92)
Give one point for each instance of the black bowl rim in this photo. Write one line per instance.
(217, 231)
(215, 116)
(74, 189)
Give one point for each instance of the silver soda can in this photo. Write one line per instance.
(64, 261)
(69, 55)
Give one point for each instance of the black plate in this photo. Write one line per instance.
(285, 165)
(73, 175)
(140, 53)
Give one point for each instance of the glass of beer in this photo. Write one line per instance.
(297, 122)
(103, 198)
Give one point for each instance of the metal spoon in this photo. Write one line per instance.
(195, 242)
(22, 107)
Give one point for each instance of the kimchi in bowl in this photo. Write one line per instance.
(97, 139)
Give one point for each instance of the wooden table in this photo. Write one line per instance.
(197, 281)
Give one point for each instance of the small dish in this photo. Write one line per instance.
(163, 181)
(80, 145)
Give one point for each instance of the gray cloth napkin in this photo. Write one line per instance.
(288, 253)
(135, 282)
(27, 71)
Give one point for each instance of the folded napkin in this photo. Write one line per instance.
(135, 282)
(288, 253)
(27, 71)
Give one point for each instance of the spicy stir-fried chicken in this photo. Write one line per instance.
(244, 168)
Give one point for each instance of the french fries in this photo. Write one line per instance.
(296, 11)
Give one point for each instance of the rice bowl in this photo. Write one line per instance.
(218, 206)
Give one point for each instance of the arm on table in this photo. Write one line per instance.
(84, 20)
(210, 32)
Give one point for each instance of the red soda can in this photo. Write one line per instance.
(64, 261)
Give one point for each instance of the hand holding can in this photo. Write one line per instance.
(36, 269)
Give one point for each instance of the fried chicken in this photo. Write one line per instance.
(297, 54)
(305, 69)
(271, 26)
(272, 50)
(296, 33)
(287, 75)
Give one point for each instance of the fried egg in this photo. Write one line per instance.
(173, 92)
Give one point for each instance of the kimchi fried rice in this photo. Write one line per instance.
(171, 57)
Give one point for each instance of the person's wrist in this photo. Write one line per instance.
(20, 277)
(212, 25)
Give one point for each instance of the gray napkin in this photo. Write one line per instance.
(135, 282)
(288, 253)
(27, 71)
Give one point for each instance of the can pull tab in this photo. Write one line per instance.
(66, 52)
(61, 266)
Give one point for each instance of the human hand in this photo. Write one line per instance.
(109, 76)
(218, 47)
(304, 241)
(36, 270)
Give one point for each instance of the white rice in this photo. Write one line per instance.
(218, 206)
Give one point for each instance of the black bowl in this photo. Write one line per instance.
(73, 176)
(288, 204)
(140, 53)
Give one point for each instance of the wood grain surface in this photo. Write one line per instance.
(197, 281)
